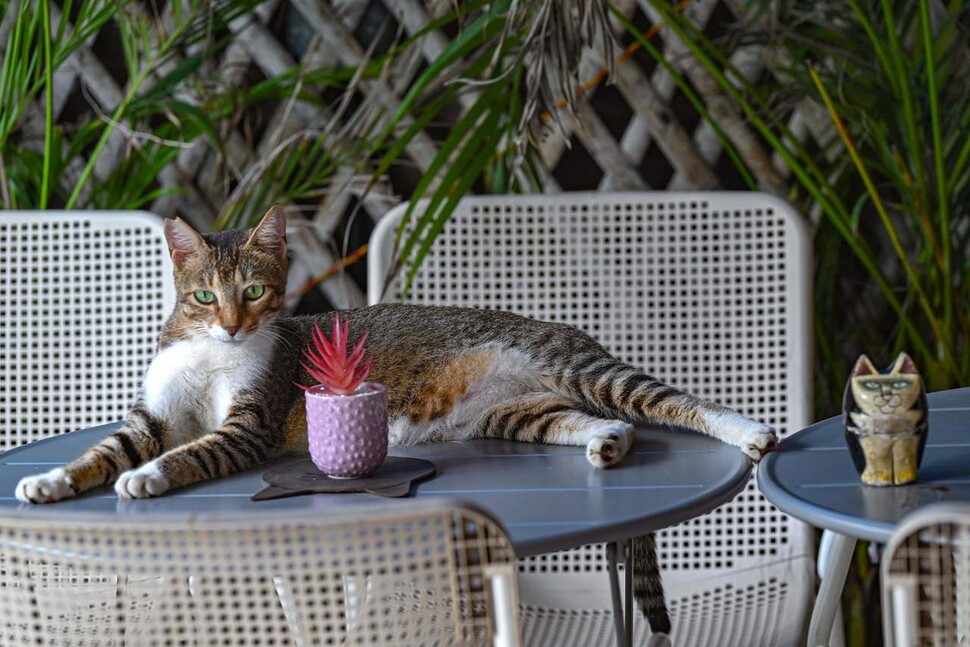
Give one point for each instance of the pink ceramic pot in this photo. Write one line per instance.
(348, 433)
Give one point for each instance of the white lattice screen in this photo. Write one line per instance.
(85, 295)
(639, 132)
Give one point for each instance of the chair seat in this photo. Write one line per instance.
(763, 606)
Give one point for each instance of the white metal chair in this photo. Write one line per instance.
(84, 296)
(926, 578)
(709, 291)
(412, 573)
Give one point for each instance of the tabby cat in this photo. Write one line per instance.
(219, 396)
(885, 421)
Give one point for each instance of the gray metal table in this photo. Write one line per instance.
(549, 498)
(812, 478)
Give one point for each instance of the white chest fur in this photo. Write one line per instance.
(192, 383)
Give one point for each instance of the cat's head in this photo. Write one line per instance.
(230, 283)
(892, 391)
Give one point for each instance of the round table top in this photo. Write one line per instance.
(549, 498)
(812, 477)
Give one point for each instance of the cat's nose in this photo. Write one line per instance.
(232, 330)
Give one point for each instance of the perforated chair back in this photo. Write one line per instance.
(926, 578)
(414, 573)
(84, 296)
(708, 291)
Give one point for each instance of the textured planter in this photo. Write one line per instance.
(348, 433)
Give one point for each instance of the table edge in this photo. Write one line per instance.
(784, 500)
(733, 485)
(781, 498)
(729, 486)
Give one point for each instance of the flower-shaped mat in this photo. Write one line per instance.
(393, 478)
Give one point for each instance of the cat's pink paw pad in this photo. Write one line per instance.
(146, 481)
(759, 442)
(610, 445)
(45, 488)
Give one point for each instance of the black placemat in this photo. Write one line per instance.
(393, 478)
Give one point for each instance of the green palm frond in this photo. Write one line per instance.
(513, 66)
(894, 78)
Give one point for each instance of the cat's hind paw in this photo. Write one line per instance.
(146, 481)
(45, 488)
(759, 441)
(610, 444)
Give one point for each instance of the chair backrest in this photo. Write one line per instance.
(707, 290)
(411, 573)
(926, 578)
(84, 296)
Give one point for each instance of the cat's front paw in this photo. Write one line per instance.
(759, 441)
(610, 444)
(146, 481)
(45, 488)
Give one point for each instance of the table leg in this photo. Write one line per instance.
(835, 569)
(622, 621)
(628, 572)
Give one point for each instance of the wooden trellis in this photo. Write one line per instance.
(635, 131)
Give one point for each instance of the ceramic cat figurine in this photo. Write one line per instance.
(220, 396)
(885, 421)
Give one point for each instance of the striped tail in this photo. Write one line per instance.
(648, 588)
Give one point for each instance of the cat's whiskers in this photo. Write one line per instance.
(199, 329)
(277, 335)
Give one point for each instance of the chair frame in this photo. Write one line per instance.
(87, 293)
(903, 624)
(151, 579)
(797, 281)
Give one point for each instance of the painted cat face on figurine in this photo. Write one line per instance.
(884, 394)
(885, 421)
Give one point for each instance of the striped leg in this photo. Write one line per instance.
(142, 438)
(612, 388)
(556, 420)
(240, 444)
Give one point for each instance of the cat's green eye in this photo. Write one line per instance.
(871, 384)
(205, 297)
(900, 384)
(253, 292)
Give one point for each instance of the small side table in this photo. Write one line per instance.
(811, 477)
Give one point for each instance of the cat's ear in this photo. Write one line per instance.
(863, 367)
(270, 233)
(183, 241)
(903, 366)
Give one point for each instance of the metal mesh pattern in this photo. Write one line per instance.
(719, 616)
(85, 295)
(728, 610)
(407, 575)
(705, 290)
(926, 579)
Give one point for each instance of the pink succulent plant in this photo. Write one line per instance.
(330, 364)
